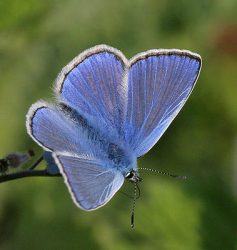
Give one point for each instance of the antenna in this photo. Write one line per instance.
(164, 173)
(136, 187)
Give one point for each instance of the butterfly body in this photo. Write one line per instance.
(109, 112)
(104, 147)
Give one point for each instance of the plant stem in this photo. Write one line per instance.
(26, 173)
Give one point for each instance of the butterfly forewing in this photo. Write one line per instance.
(93, 85)
(159, 84)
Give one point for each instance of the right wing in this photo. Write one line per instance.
(90, 183)
(159, 84)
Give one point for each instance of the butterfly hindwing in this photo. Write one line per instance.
(49, 127)
(89, 181)
(159, 83)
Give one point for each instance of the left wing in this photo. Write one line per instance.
(159, 83)
(93, 84)
(54, 131)
(89, 181)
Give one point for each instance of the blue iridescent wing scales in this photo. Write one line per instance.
(89, 181)
(159, 83)
(93, 85)
(56, 128)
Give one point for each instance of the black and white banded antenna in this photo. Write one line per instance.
(182, 177)
(135, 197)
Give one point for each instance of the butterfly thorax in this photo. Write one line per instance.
(121, 158)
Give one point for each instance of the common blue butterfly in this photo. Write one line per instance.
(110, 111)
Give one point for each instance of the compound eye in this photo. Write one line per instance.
(130, 175)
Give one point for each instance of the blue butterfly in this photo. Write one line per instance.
(109, 112)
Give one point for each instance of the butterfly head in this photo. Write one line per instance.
(133, 176)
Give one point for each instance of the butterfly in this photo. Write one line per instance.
(109, 111)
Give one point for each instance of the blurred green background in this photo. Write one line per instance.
(37, 38)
